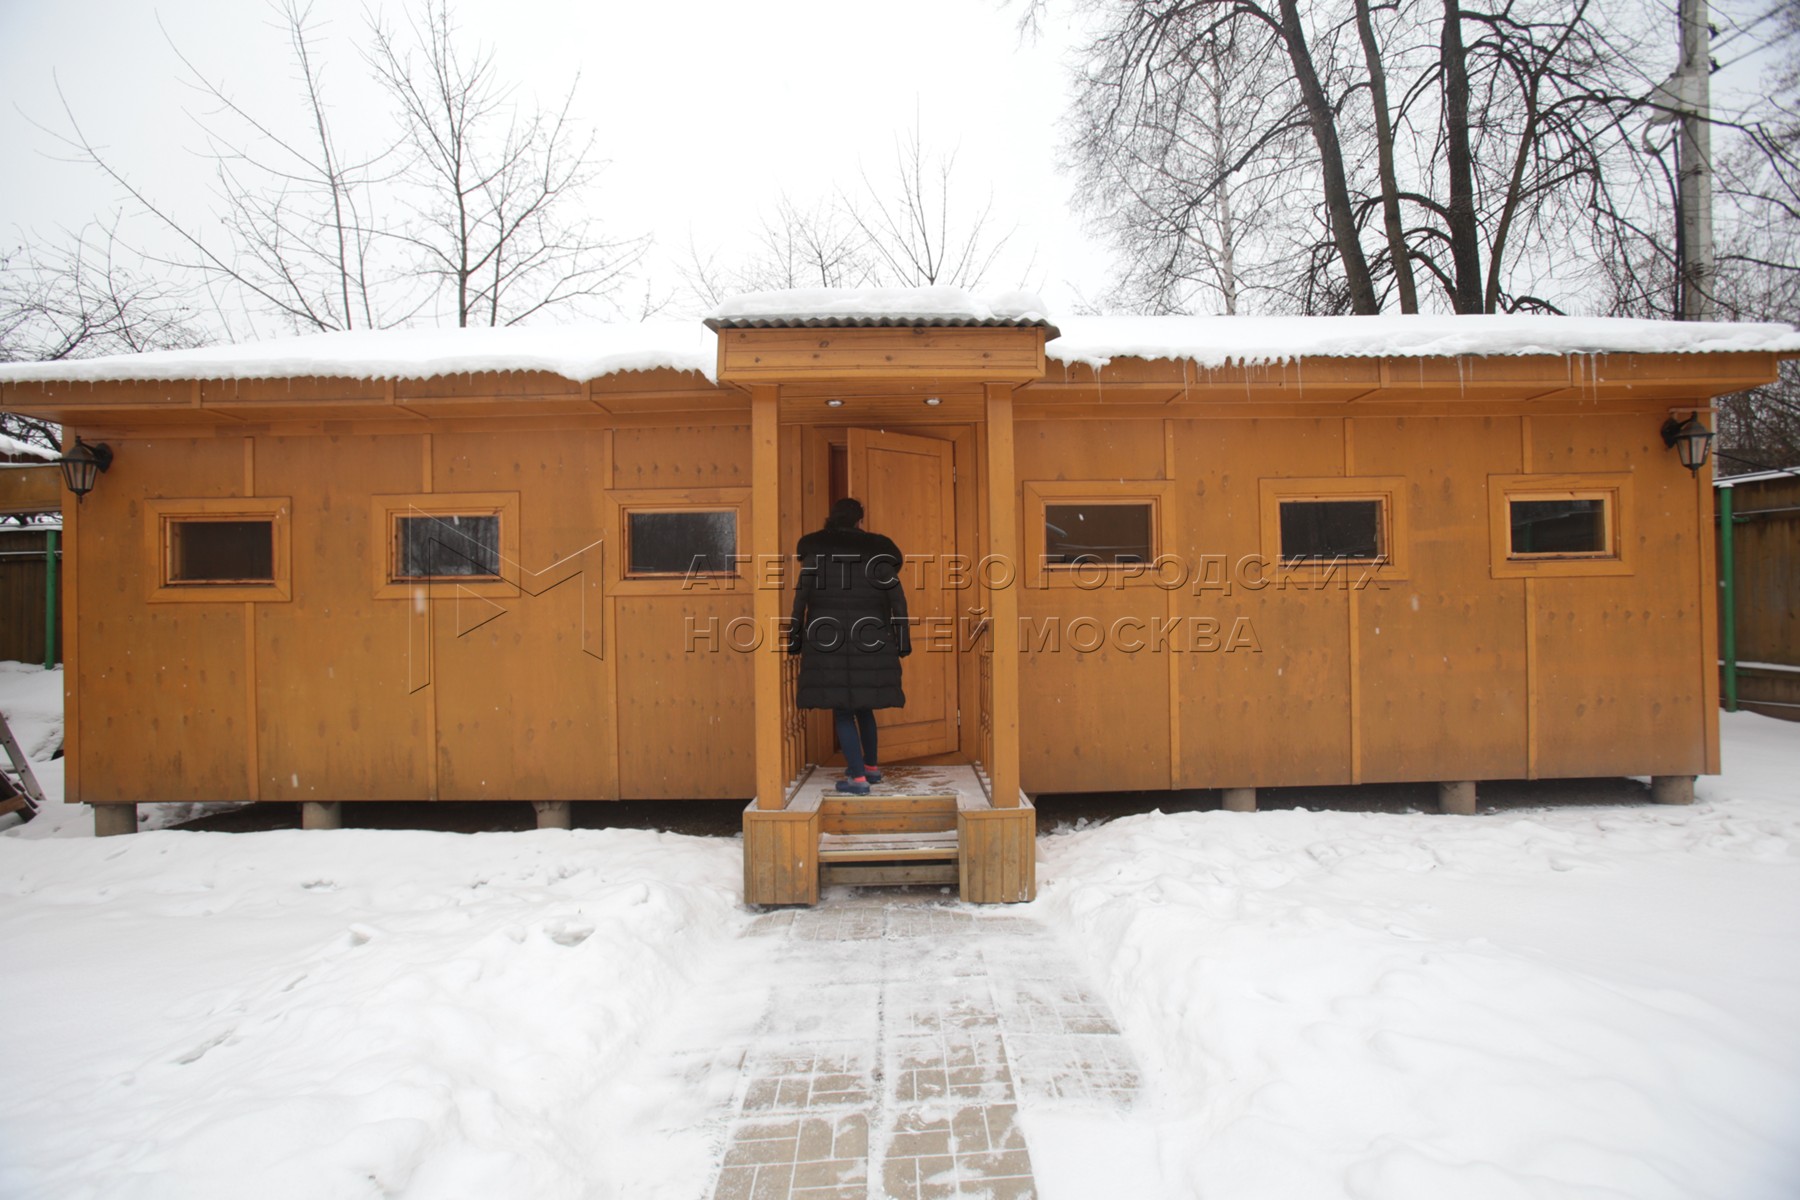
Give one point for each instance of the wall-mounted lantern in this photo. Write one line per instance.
(83, 464)
(1691, 440)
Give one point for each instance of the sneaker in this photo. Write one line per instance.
(873, 774)
(855, 787)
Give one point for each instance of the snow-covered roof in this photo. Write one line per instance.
(1216, 341)
(928, 306)
(10, 445)
(578, 352)
(589, 351)
(1792, 472)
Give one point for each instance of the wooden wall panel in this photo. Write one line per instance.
(1618, 658)
(686, 729)
(681, 456)
(1092, 450)
(523, 711)
(163, 686)
(1097, 721)
(1441, 653)
(1281, 716)
(341, 713)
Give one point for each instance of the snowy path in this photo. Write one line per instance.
(888, 1047)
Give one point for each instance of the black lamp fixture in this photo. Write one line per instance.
(1691, 439)
(83, 464)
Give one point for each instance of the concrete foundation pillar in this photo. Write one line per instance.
(1238, 799)
(110, 820)
(1458, 797)
(318, 814)
(1672, 789)
(554, 814)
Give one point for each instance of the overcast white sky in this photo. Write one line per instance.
(706, 111)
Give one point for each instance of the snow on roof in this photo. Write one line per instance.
(877, 306)
(11, 445)
(1216, 341)
(578, 352)
(589, 351)
(1726, 481)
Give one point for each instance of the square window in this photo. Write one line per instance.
(1092, 532)
(446, 546)
(217, 550)
(468, 541)
(1559, 525)
(1327, 530)
(1314, 526)
(1572, 526)
(681, 542)
(203, 551)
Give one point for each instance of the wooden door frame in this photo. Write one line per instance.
(814, 467)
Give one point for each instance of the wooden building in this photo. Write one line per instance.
(1162, 553)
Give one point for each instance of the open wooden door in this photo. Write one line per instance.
(907, 487)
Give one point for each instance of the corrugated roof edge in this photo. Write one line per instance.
(1792, 472)
(882, 322)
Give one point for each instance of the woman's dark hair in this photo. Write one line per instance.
(845, 514)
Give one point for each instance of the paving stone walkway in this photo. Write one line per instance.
(896, 1049)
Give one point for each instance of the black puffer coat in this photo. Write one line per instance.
(849, 620)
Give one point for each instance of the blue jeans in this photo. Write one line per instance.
(856, 735)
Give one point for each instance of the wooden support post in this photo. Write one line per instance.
(318, 814)
(110, 820)
(554, 814)
(1238, 799)
(1672, 789)
(996, 854)
(781, 855)
(1457, 797)
(765, 547)
(1003, 601)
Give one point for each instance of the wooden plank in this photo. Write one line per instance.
(765, 545)
(887, 875)
(1707, 523)
(1003, 602)
(30, 489)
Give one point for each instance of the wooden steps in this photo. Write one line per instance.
(889, 859)
(929, 826)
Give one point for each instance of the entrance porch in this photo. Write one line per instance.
(922, 825)
(925, 440)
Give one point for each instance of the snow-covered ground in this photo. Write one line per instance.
(1584, 1002)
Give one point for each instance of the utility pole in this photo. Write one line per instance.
(1693, 164)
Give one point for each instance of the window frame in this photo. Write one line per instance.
(384, 547)
(1388, 490)
(161, 516)
(1040, 494)
(666, 500)
(1613, 489)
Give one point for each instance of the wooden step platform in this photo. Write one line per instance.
(888, 859)
(921, 825)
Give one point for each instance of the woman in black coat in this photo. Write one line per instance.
(850, 631)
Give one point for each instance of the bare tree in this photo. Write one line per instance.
(796, 247)
(498, 190)
(80, 300)
(470, 207)
(1449, 147)
(919, 229)
(300, 240)
(1188, 165)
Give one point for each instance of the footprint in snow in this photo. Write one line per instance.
(568, 933)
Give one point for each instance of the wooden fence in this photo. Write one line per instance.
(22, 594)
(1764, 594)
